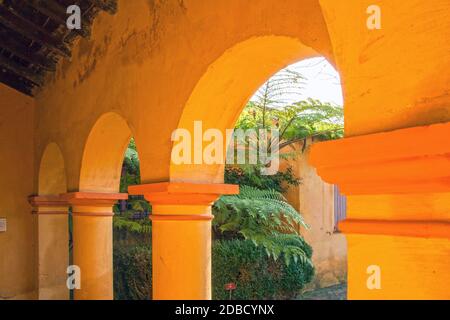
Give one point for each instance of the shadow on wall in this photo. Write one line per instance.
(315, 199)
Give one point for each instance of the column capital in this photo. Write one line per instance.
(182, 193)
(48, 204)
(92, 203)
(412, 160)
(179, 201)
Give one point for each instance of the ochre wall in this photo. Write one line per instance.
(18, 244)
(393, 77)
(144, 62)
(314, 199)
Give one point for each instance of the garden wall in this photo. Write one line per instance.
(315, 200)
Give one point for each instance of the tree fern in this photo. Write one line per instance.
(261, 216)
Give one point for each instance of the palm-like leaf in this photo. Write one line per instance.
(261, 215)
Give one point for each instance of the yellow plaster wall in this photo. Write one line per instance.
(18, 260)
(314, 199)
(144, 62)
(394, 77)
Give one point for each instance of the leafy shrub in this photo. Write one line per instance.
(257, 275)
(132, 272)
(260, 216)
(250, 175)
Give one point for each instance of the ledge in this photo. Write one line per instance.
(179, 193)
(191, 217)
(92, 198)
(47, 201)
(48, 205)
(402, 161)
(182, 188)
(419, 229)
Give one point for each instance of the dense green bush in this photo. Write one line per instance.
(251, 175)
(257, 275)
(132, 272)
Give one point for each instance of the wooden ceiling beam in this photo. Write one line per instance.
(25, 53)
(32, 31)
(32, 45)
(58, 13)
(14, 83)
(109, 6)
(21, 71)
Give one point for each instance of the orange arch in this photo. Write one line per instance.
(223, 91)
(103, 154)
(52, 172)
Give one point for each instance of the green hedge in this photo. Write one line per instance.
(132, 272)
(257, 276)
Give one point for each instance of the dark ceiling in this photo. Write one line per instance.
(34, 37)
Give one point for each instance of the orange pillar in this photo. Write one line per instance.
(181, 237)
(53, 246)
(93, 243)
(398, 214)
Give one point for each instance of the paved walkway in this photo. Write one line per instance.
(338, 292)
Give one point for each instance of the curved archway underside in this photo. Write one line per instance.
(103, 154)
(223, 91)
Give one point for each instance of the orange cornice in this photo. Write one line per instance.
(401, 161)
(421, 229)
(183, 188)
(47, 201)
(179, 193)
(191, 217)
(93, 198)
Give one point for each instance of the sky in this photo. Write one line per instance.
(322, 81)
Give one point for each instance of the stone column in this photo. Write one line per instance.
(53, 246)
(181, 237)
(398, 229)
(93, 242)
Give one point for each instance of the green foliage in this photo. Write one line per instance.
(259, 216)
(130, 168)
(297, 121)
(272, 94)
(269, 109)
(250, 175)
(255, 274)
(132, 272)
(124, 222)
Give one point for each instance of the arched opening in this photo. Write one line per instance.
(53, 227)
(103, 154)
(110, 164)
(132, 235)
(219, 99)
(223, 91)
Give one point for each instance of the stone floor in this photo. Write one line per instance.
(337, 292)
